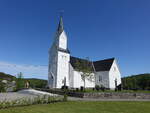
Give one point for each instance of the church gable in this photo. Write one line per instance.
(103, 65)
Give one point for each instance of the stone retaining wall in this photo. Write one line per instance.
(103, 95)
(117, 95)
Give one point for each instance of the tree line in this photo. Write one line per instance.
(136, 82)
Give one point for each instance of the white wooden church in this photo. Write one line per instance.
(62, 66)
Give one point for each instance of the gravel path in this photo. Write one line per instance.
(28, 93)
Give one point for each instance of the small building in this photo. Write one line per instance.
(62, 66)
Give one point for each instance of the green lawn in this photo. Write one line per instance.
(84, 107)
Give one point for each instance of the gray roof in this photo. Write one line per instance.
(101, 65)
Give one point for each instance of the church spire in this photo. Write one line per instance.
(60, 26)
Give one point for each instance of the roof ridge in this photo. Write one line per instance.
(105, 59)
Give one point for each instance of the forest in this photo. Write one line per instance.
(136, 82)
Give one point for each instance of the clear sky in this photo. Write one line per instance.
(97, 29)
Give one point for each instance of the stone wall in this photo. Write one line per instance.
(117, 95)
(102, 95)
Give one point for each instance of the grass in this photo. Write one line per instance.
(83, 107)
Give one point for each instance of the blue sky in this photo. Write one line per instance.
(97, 29)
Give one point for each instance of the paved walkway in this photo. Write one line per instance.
(28, 93)
(14, 96)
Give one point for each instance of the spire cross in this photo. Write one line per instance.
(61, 12)
(60, 26)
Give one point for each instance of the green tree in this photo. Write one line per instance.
(85, 67)
(37, 83)
(19, 81)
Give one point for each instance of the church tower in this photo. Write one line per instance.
(59, 58)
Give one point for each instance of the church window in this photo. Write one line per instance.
(63, 56)
(52, 77)
(114, 68)
(100, 78)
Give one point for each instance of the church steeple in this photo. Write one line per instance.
(61, 37)
(59, 58)
(60, 26)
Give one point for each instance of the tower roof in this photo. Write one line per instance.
(60, 26)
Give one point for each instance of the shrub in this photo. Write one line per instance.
(65, 97)
(77, 89)
(147, 88)
(64, 87)
(102, 88)
(81, 88)
(93, 89)
(97, 87)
